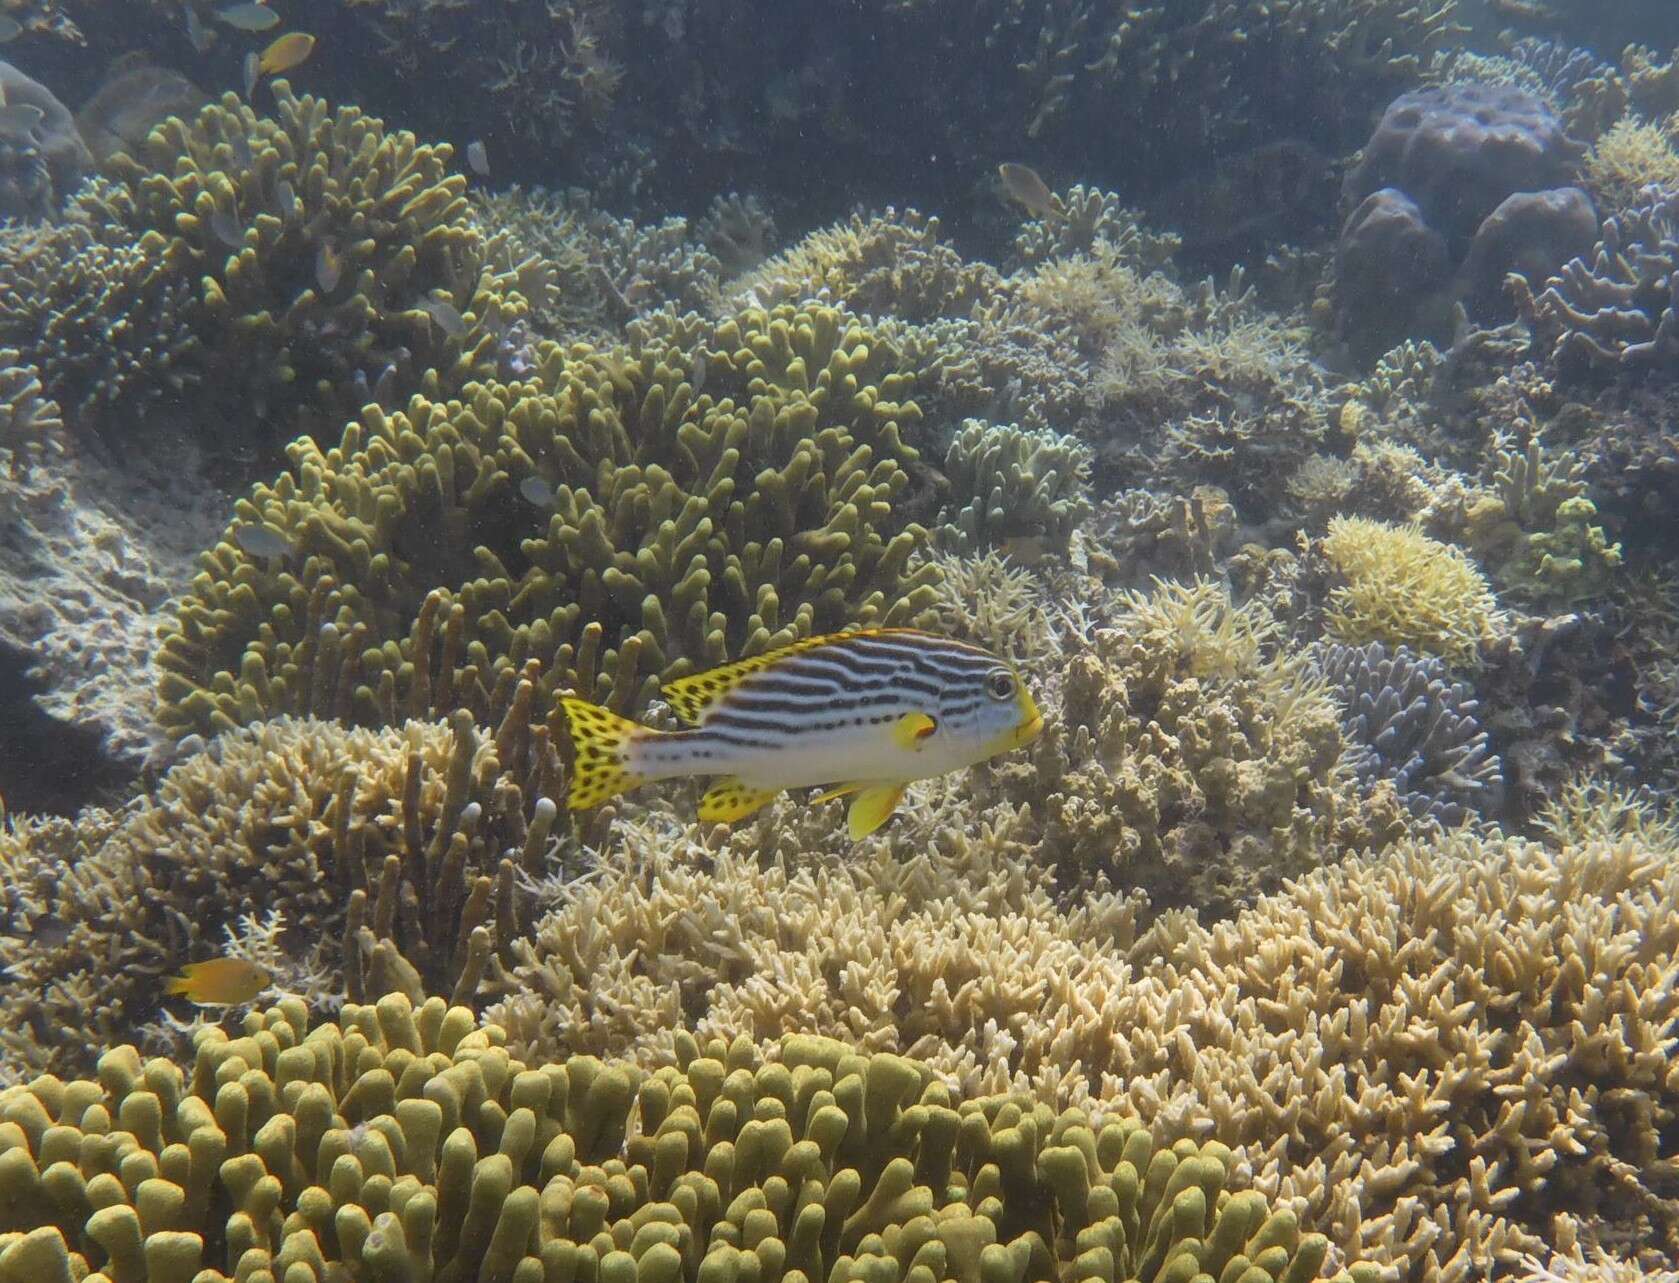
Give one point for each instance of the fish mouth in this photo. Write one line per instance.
(1029, 730)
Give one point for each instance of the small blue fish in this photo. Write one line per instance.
(863, 713)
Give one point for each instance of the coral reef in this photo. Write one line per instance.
(1423, 1055)
(132, 102)
(1188, 753)
(601, 522)
(394, 859)
(1402, 588)
(1615, 310)
(1460, 184)
(404, 1141)
(1408, 722)
(1007, 484)
(889, 263)
(337, 259)
(109, 317)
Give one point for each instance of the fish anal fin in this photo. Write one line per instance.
(731, 799)
(871, 808)
(910, 730)
(601, 740)
(693, 697)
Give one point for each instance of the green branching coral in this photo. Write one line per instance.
(107, 315)
(1404, 589)
(393, 859)
(600, 521)
(330, 251)
(1008, 483)
(1534, 530)
(404, 1143)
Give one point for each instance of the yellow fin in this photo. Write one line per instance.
(911, 729)
(828, 795)
(602, 741)
(693, 697)
(871, 808)
(731, 799)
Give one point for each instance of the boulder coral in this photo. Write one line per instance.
(603, 523)
(403, 1142)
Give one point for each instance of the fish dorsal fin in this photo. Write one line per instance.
(692, 698)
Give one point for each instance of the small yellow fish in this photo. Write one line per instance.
(863, 713)
(1023, 184)
(286, 52)
(220, 982)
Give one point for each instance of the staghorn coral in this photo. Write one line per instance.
(404, 1140)
(1009, 484)
(1191, 754)
(1408, 722)
(109, 317)
(986, 600)
(1424, 1055)
(1404, 589)
(395, 857)
(739, 231)
(338, 262)
(667, 531)
(29, 420)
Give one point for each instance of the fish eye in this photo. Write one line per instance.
(999, 683)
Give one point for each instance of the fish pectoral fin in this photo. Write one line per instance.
(911, 730)
(841, 790)
(731, 799)
(872, 807)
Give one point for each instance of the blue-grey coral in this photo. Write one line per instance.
(1409, 722)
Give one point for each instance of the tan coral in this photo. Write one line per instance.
(1423, 1054)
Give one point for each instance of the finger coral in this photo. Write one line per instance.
(330, 251)
(1404, 589)
(1424, 1054)
(395, 858)
(602, 521)
(108, 316)
(404, 1142)
(1012, 484)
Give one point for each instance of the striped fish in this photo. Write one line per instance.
(861, 714)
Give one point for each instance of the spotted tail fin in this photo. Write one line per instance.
(602, 742)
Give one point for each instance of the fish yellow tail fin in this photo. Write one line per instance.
(602, 740)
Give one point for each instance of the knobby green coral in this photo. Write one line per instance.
(404, 1143)
(603, 522)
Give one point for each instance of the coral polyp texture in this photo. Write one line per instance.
(601, 525)
(336, 259)
(1424, 1055)
(393, 858)
(403, 1142)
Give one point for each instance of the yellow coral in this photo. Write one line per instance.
(1405, 589)
(1630, 157)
